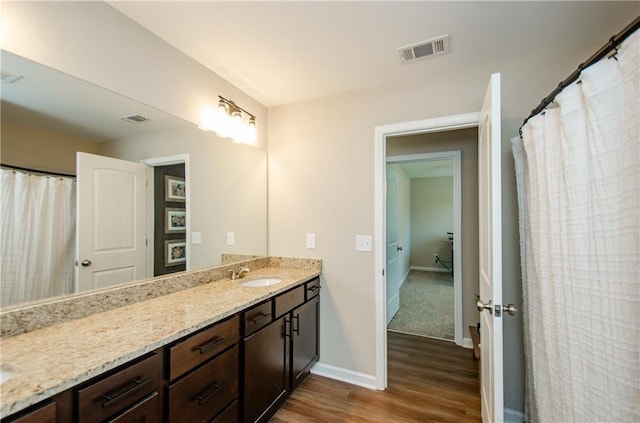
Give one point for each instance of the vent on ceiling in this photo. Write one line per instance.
(9, 78)
(135, 119)
(433, 47)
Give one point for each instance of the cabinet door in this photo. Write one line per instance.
(146, 411)
(111, 395)
(44, 414)
(265, 371)
(203, 393)
(305, 325)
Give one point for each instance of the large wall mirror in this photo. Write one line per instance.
(48, 116)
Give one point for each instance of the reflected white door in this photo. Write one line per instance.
(489, 190)
(111, 229)
(393, 261)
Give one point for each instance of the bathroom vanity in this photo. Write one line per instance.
(215, 352)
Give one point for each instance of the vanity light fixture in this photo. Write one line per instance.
(227, 122)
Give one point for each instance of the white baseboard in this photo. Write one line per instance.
(344, 375)
(430, 269)
(513, 416)
(467, 343)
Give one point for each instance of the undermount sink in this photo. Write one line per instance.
(261, 282)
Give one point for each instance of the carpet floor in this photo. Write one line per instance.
(426, 305)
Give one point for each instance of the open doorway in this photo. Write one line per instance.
(424, 288)
(428, 137)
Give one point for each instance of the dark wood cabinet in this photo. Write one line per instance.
(147, 410)
(277, 357)
(53, 410)
(240, 369)
(106, 398)
(304, 339)
(43, 414)
(202, 346)
(266, 371)
(203, 393)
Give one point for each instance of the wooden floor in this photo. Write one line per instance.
(428, 381)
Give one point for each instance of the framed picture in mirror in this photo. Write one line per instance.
(175, 220)
(175, 252)
(175, 189)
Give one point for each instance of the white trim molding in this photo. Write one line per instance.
(344, 375)
(447, 123)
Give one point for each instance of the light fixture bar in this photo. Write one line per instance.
(232, 106)
(227, 122)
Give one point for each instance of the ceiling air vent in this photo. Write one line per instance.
(433, 47)
(9, 78)
(135, 119)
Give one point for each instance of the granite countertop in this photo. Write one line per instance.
(50, 360)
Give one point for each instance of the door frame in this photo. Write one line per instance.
(166, 161)
(456, 156)
(441, 124)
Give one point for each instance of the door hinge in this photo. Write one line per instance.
(382, 272)
(146, 242)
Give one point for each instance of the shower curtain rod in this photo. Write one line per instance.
(612, 45)
(44, 172)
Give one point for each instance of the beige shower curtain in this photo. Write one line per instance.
(37, 243)
(578, 176)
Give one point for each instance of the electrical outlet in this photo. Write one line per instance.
(196, 237)
(436, 258)
(311, 240)
(364, 243)
(231, 238)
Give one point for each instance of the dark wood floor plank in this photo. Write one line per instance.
(429, 380)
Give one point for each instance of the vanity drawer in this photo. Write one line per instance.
(202, 346)
(257, 317)
(205, 392)
(113, 394)
(289, 300)
(313, 288)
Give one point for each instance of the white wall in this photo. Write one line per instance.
(95, 42)
(42, 150)
(321, 180)
(228, 188)
(431, 219)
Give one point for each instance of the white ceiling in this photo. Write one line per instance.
(286, 52)
(49, 100)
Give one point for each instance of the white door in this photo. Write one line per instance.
(111, 228)
(393, 261)
(489, 151)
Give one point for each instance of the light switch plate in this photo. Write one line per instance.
(196, 237)
(311, 240)
(231, 238)
(364, 243)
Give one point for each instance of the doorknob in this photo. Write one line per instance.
(85, 263)
(510, 309)
(482, 306)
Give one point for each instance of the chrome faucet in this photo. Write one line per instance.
(239, 274)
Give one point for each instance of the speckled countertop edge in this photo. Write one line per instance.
(50, 360)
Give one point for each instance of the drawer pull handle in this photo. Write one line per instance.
(121, 393)
(256, 319)
(207, 394)
(296, 328)
(313, 288)
(211, 345)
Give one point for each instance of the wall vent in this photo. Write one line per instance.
(135, 119)
(433, 47)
